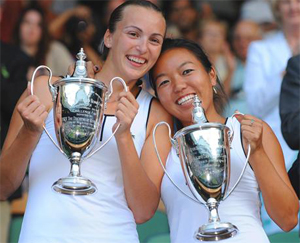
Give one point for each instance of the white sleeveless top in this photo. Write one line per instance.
(241, 208)
(100, 217)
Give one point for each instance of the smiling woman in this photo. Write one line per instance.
(176, 82)
(125, 171)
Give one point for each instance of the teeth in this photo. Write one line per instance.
(136, 59)
(185, 99)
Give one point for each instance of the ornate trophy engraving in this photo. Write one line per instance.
(78, 108)
(204, 152)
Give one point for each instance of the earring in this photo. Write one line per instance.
(214, 89)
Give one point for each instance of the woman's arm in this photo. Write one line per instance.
(267, 161)
(24, 132)
(142, 176)
(57, 25)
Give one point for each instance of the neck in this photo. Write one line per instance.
(292, 34)
(29, 50)
(107, 74)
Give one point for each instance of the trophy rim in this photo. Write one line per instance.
(81, 80)
(195, 127)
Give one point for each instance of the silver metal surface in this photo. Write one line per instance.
(78, 107)
(205, 158)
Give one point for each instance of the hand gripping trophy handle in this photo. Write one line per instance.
(204, 151)
(53, 90)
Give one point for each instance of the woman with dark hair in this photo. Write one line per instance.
(176, 82)
(126, 171)
(31, 35)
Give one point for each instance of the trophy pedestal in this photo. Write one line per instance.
(74, 186)
(216, 231)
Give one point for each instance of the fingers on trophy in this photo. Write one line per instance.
(78, 108)
(204, 152)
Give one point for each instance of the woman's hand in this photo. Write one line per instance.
(33, 113)
(126, 110)
(252, 130)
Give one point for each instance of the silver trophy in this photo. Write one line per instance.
(204, 152)
(78, 107)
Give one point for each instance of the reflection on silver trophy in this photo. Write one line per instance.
(78, 107)
(204, 152)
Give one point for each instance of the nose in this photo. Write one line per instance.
(142, 45)
(179, 84)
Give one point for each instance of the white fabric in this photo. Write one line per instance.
(100, 217)
(266, 63)
(241, 208)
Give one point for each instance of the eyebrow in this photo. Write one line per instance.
(187, 62)
(139, 29)
(159, 75)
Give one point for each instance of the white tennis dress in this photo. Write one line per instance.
(100, 217)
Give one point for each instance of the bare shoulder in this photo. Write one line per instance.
(158, 112)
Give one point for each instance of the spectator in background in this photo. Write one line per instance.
(183, 18)
(260, 12)
(212, 37)
(31, 35)
(80, 32)
(265, 67)
(244, 32)
(290, 114)
(57, 27)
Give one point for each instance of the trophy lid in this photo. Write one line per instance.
(80, 74)
(198, 114)
(200, 121)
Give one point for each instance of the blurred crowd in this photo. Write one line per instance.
(51, 32)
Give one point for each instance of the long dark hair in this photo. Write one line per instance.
(44, 42)
(219, 97)
(117, 16)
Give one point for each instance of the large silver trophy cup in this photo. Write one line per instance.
(204, 152)
(78, 108)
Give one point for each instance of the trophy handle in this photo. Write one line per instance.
(107, 96)
(174, 144)
(246, 163)
(53, 92)
(111, 87)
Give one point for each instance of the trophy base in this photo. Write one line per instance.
(216, 231)
(74, 186)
